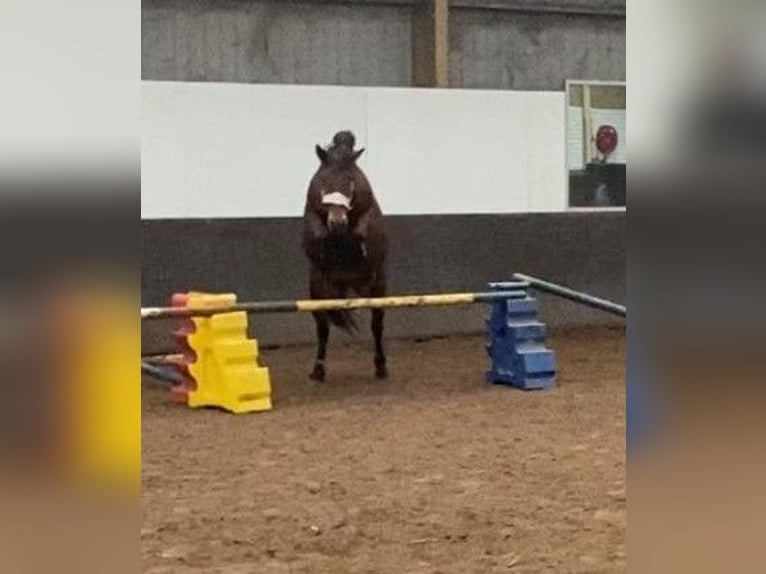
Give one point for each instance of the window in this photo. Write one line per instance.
(596, 144)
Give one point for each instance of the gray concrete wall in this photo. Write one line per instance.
(533, 51)
(494, 44)
(596, 7)
(261, 259)
(275, 42)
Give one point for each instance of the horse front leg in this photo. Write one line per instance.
(318, 289)
(378, 289)
(323, 334)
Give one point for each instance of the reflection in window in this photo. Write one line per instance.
(596, 144)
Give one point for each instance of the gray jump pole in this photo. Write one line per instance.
(167, 376)
(572, 295)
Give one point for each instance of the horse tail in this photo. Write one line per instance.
(343, 319)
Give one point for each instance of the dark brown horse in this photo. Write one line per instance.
(345, 242)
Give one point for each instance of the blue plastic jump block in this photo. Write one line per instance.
(516, 308)
(517, 346)
(531, 368)
(520, 331)
(521, 381)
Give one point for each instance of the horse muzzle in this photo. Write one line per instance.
(337, 221)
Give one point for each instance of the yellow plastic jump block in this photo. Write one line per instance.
(225, 369)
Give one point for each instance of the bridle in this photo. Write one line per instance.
(339, 199)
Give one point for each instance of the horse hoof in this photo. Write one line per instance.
(381, 371)
(318, 374)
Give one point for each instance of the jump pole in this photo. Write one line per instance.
(165, 375)
(516, 290)
(572, 295)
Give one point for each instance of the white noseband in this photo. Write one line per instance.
(337, 198)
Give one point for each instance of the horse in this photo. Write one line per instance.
(346, 245)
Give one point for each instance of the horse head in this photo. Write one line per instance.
(338, 179)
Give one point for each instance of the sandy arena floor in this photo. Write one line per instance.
(430, 471)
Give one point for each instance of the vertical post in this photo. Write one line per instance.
(430, 44)
(441, 43)
(587, 125)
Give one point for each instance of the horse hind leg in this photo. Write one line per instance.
(381, 370)
(318, 373)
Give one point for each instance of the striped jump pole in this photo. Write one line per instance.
(572, 295)
(514, 290)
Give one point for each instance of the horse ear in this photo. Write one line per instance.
(356, 154)
(321, 154)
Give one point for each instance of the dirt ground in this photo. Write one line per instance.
(430, 471)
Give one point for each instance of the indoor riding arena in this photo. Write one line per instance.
(383, 287)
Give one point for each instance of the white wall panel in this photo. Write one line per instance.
(547, 178)
(447, 153)
(246, 150)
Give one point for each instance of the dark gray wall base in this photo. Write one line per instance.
(261, 259)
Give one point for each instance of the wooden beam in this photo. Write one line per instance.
(441, 43)
(430, 44)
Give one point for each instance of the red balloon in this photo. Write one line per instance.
(606, 139)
